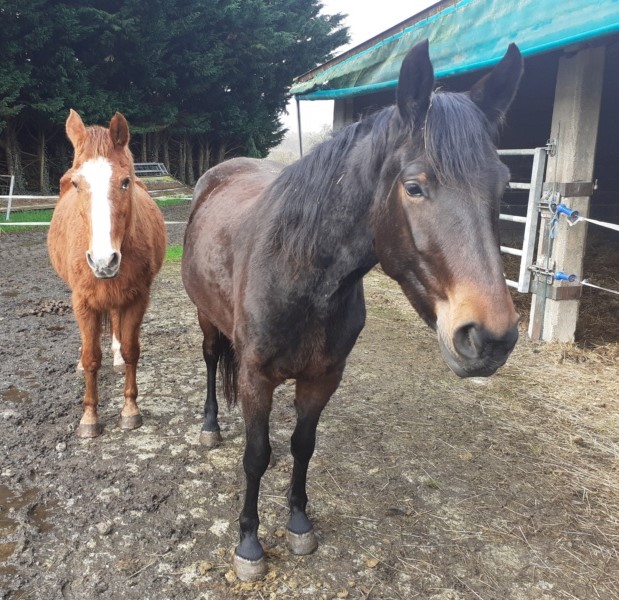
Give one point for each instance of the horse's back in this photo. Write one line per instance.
(231, 172)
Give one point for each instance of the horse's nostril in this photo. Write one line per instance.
(474, 341)
(114, 260)
(90, 260)
(467, 341)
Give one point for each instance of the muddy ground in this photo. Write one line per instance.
(422, 485)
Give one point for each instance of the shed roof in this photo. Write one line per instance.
(464, 35)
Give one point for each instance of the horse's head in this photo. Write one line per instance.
(437, 234)
(103, 177)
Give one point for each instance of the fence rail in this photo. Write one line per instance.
(153, 169)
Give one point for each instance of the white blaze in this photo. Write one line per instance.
(98, 173)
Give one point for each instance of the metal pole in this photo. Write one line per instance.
(8, 208)
(299, 125)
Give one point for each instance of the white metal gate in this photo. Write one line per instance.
(531, 220)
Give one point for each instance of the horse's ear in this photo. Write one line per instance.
(415, 83)
(119, 130)
(494, 92)
(76, 130)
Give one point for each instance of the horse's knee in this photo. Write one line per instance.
(130, 354)
(256, 459)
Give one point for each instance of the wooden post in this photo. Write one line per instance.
(299, 129)
(342, 113)
(575, 118)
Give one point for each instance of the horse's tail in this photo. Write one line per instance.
(228, 370)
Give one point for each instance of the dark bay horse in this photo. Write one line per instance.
(107, 240)
(274, 259)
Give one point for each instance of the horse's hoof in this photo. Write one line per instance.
(210, 439)
(130, 422)
(89, 430)
(249, 570)
(302, 543)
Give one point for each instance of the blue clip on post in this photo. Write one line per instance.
(572, 215)
(560, 276)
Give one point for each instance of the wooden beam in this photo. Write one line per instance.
(575, 119)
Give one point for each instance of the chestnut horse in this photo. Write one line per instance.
(107, 240)
(274, 259)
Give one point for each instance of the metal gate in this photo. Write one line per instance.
(531, 220)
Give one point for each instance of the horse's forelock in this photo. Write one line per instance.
(97, 142)
(457, 140)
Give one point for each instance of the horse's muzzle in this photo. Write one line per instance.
(104, 268)
(477, 352)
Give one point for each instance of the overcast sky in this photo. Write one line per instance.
(366, 18)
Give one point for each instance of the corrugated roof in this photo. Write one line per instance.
(464, 36)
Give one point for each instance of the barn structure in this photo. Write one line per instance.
(561, 139)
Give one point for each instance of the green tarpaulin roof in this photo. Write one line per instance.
(464, 36)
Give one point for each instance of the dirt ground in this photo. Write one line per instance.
(422, 486)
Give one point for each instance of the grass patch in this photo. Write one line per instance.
(172, 201)
(174, 253)
(25, 216)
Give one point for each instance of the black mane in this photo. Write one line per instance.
(309, 191)
(458, 140)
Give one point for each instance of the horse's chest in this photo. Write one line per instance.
(301, 342)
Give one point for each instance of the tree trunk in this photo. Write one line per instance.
(204, 156)
(143, 153)
(221, 152)
(166, 152)
(191, 178)
(13, 158)
(154, 146)
(44, 186)
(182, 161)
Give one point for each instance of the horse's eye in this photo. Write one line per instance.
(413, 189)
(125, 184)
(75, 184)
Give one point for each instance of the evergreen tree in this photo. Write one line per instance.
(198, 80)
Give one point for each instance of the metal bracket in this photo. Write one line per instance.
(552, 292)
(570, 189)
(544, 283)
(551, 147)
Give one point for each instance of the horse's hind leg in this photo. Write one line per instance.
(256, 394)
(89, 323)
(311, 398)
(130, 322)
(210, 435)
(119, 363)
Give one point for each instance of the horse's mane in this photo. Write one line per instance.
(455, 139)
(303, 192)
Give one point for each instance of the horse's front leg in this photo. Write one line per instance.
(89, 323)
(130, 321)
(311, 398)
(256, 395)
